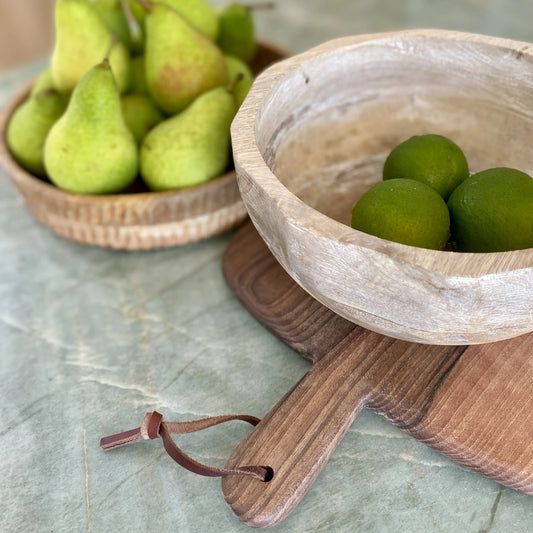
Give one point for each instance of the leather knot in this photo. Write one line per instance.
(151, 425)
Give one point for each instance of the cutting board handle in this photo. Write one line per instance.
(299, 434)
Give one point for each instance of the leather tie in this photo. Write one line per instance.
(153, 427)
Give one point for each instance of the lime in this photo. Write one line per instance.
(404, 211)
(432, 159)
(492, 211)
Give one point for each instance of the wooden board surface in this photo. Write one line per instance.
(474, 404)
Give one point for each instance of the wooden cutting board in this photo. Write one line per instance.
(473, 404)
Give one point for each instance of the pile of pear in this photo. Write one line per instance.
(136, 90)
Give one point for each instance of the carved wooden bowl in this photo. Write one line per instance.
(313, 135)
(137, 219)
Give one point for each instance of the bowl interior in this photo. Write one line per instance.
(312, 137)
(326, 126)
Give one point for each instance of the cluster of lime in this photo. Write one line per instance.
(428, 199)
(139, 88)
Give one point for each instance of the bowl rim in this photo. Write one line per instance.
(247, 156)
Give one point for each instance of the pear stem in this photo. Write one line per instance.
(112, 42)
(133, 25)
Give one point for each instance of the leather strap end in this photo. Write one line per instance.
(149, 430)
(120, 439)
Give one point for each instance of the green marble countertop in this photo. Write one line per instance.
(92, 339)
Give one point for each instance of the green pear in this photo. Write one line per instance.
(111, 12)
(140, 114)
(29, 126)
(180, 62)
(90, 149)
(44, 80)
(82, 40)
(191, 147)
(241, 75)
(236, 34)
(138, 76)
(199, 14)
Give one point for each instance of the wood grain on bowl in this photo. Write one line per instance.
(313, 136)
(136, 220)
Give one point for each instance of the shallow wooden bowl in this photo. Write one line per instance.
(313, 135)
(136, 219)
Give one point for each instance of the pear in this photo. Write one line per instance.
(237, 31)
(82, 39)
(199, 14)
(180, 62)
(241, 75)
(140, 114)
(29, 126)
(43, 81)
(111, 12)
(191, 147)
(138, 76)
(90, 149)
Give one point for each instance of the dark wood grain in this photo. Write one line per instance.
(473, 404)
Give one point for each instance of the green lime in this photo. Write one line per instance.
(432, 159)
(492, 211)
(404, 211)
